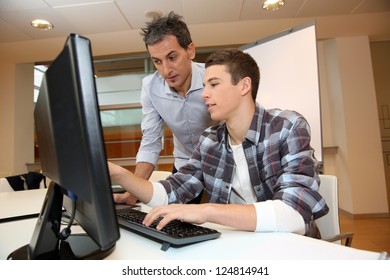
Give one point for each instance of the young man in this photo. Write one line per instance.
(257, 167)
(172, 95)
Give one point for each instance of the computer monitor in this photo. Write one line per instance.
(73, 157)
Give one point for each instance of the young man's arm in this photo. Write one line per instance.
(143, 170)
(240, 216)
(139, 187)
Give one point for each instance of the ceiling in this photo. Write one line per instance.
(210, 21)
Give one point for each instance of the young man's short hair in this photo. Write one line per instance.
(238, 64)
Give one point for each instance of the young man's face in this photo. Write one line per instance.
(221, 97)
(173, 62)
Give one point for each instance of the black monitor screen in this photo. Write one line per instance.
(73, 157)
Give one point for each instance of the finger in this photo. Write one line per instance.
(124, 198)
(117, 198)
(151, 217)
(163, 222)
(131, 200)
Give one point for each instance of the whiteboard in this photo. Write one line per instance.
(289, 76)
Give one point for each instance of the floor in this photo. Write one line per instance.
(369, 234)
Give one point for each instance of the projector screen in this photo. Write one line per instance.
(289, 76)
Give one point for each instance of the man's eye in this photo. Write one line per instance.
(157, 62)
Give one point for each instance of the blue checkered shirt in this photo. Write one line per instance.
(280, 159)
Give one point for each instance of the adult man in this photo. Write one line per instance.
(172, 95)
(257, 167)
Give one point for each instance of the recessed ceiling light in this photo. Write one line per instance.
(42, 24)
(153, 14)
(272, 5)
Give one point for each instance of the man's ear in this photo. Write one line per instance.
(246, 83)
(191, 51)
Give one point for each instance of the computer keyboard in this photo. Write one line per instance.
(175, 233)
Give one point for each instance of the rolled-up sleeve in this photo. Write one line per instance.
(151, 126)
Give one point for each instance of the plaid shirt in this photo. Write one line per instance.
(280, 161)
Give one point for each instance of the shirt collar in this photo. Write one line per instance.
(253, 134)
(254, 131)
(196, 81)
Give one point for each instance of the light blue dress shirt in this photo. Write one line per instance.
(187, 117)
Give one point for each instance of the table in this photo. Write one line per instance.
(233, 244)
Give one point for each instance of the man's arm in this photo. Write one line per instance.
(144, 170)
(150, 145)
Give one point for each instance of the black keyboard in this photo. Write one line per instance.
(175, 233)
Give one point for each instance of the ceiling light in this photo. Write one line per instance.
(272, 5)
(42, 24)
(153, 14)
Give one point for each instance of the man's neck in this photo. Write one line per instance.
(181, 91)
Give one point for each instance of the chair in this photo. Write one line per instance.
(329, 225)
(159, 175)
(21, 182)
(5, 186)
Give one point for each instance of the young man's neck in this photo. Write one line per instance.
(239, 126)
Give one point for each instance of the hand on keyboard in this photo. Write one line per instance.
(175, 232)
(124, 198)
(190, 213)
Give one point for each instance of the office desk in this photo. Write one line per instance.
(21, 204)
(232, 244)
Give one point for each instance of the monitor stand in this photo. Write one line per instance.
(84, 248)
(45, 243)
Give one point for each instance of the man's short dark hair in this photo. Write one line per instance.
(160, 27)
(238, 64)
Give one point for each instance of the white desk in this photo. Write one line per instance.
(232, 244)
(21, 203)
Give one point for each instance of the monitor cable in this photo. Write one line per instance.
(65, 233)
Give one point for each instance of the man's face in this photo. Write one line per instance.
(173, 62)
(221, 97)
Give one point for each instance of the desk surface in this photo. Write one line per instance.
(232, 244)
(14, 205)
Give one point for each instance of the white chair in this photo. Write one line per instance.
(5, 186)
(329, 225)
(159, 175)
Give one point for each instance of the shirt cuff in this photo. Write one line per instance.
(148, 157)
(275, 215)
(159, 197)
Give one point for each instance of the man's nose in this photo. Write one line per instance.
(166, 68)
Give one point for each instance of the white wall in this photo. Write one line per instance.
(7, 122)
(380, 52)
(351, 123)
(16, 117)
